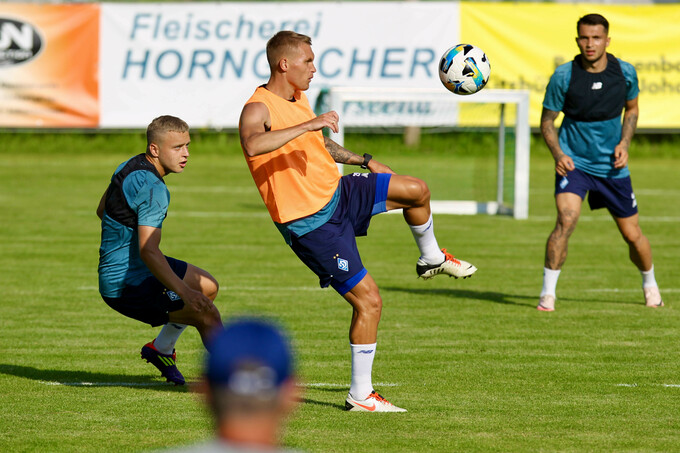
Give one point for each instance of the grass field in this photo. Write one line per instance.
(478, 368)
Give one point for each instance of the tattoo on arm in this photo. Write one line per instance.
(629, 126)
(340, 154)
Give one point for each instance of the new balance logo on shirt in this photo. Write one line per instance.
(596, 86)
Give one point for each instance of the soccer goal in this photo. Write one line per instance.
(486, 113)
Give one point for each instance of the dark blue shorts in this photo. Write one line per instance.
(151, 301)
(330, 251)
(615, 194)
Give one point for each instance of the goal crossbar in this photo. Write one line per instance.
(388, 106)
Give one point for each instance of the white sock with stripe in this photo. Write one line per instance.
(430, 253)
(167, 337)
(362, 369)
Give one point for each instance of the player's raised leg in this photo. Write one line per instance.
(413, 196)
(363, 333)
(640, 252)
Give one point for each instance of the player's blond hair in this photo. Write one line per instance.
(162, 125)
(284, 43)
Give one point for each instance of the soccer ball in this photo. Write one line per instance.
(464, 69)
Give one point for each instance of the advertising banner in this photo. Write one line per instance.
(204, 61)
(49, 65)
(526, 42)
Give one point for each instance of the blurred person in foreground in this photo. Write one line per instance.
(320, 212)
(250, 386)
(135, 277)
(591, 151)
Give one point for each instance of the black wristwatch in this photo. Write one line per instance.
(367, 159)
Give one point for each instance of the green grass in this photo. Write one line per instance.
(478, 368)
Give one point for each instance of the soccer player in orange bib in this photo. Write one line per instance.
(319, 212)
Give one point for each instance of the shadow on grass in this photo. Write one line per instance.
(506, 299)
(490, 296)
(340, 407)
(88, 379)
(325, 403)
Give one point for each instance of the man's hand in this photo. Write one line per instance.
(620, 155)
(563, 165)
(376, 167)
(196, 299)
(328, 119)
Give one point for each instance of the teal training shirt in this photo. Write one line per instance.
(120, 265)
(590, 144)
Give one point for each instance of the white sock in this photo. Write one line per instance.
(167, 337)
(648, 279)
(550, 281)
(362, 369)
(430, 253)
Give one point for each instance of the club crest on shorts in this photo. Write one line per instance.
(343, 265)
(172, 295)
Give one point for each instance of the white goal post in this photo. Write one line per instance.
(395, 107)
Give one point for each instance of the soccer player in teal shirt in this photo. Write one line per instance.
(135, 277)
(591, 151)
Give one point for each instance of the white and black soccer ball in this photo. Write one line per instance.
(464, 69)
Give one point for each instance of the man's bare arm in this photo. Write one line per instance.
(256, 139)
(563, 163)
(630, 118)
(342, 155)
(345, 156)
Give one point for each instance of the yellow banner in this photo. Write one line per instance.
(49, 56)
(525, 42)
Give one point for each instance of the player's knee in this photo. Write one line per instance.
(419, 191)
(211, 288)
(372, 303)
(632, 235)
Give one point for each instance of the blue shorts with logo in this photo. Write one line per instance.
(615, 194)
(330, 251)
(150, 301)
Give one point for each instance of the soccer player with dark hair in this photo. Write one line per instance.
(591, 151)
(135, 277)
(319, 212)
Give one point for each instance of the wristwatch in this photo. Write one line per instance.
(367, 159)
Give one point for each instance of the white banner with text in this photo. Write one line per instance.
(202, 63)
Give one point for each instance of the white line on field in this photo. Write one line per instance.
(330, 385)
(648, 385)
(219, 214)
(659, 192)
(214, 189)
(239, 288)
(643, 219)
(107, 384)
(628, 290)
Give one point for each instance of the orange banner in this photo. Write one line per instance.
(49, 56)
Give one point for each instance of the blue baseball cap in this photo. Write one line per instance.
(249, 356)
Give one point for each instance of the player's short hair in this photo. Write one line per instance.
(593, 19)
(283, 43)
(163, 124)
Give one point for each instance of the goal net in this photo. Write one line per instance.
(494, 183)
